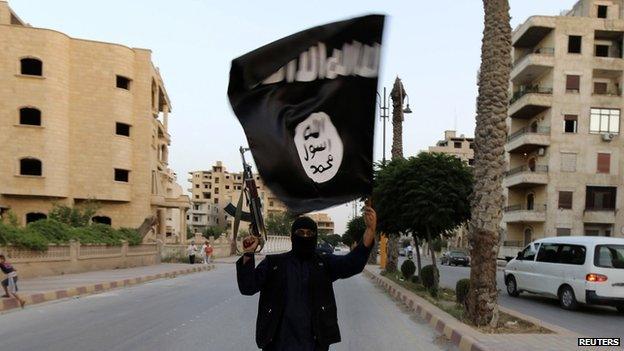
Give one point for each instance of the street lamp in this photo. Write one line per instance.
(407, 109)
(383, 114)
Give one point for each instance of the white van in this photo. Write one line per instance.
(574, 269)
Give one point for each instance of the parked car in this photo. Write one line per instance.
(455, 258)
(324, 248)
(576, 269)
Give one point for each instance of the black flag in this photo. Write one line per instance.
(307, 105)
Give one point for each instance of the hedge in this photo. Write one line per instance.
(461, 290)
(408, 268)
(37, 235)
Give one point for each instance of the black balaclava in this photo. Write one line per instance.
(303, 247)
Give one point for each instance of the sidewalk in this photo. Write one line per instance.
(44, 289)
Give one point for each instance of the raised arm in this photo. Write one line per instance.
(250, 278)
(342, 267)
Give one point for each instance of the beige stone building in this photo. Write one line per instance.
(324, 223)
(458, 146)
(564, 149)
(79, 120)
(212, 190)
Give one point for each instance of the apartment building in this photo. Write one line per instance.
(324, 223)
(84, 120)
(212, 190)
(460, 147)
(564, 148)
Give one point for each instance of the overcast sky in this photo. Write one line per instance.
(434, 46)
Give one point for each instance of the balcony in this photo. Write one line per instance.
(529, 67)
(533, 31)
(528, 139)
(522, 214)
(598, 215)
(530, 101)
(526, 177)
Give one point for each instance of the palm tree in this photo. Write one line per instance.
(398, 95)
(490, 138)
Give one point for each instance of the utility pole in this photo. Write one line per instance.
(383, 114)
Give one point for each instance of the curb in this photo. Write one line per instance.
(37, 298)
(454, 331)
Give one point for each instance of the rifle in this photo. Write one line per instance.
(250, 193)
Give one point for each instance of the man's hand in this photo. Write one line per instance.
(250, 244)
(370, 219)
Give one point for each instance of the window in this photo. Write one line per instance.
(564, 231)
(197, 196)
(123, 82)
(528, 254)
(121, 175)
(122, 129)
(602, 11)
(30, 116)
(35, 216)
(216, 179)
(568, 162)
(602, 50)
(102, 220)
(600, 198)
(205, 186)
(565, 200)
(573, 83)
(471, 162)
(227, 187)
(548, 253)
(31, 67)
(30, 167)
(609, 256)
(570, 123)
(216, 200)
(206, 196)
(600, 88)
(195, 219)
(574, 44)
(457, 145)
(196, 186)
(603, 163)
(604, 120)
(471, 146)
(216, 190)
(572, 254)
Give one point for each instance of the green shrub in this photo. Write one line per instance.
(415, 279)
(408, 268)
(131, 235)
(461, 290)
(430, 277)
(23, 238)
(55, 231)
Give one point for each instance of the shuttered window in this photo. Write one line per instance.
(600, 88)
(568, 162)
(573, 83)
(604, 163)
(565, 200)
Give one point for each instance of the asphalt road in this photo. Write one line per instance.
(202, 311)
(592, 321)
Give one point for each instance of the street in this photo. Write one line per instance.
(592, 321)
(202, 311)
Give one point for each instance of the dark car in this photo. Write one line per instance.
(455, 258)
(324, 248)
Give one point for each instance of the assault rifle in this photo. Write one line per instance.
(249, 193)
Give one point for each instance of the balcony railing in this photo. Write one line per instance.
(530, 90)
(528, 130)
(599, 209)
(522, 169)
(546, 51)
(609, 92)
(524, 207)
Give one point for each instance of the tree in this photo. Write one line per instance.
(214, 232)
(489, 148)
(425, 195)
(355, 231)
(332, 239)
(278, 224)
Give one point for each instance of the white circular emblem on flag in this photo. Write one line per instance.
(319, 147)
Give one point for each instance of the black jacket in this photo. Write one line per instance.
(271, 278)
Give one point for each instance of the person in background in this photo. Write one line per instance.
(297, 308)
(202, 251)
(209, 251)
(10, 283)
(192, 251)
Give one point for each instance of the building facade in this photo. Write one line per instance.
(324, 223)
(212, 190)
(84, 120)
(565, 175)
(460, 147)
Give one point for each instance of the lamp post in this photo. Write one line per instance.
(383, 114)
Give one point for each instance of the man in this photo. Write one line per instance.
(10, 283)
(192, 251)
(297, 308)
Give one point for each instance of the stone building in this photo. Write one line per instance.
(212, 190)
(80, 120)
(324, 223)
(565, 174)
(461, 147)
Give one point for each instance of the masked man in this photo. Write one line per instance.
(297, 308)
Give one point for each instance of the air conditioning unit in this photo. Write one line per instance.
(607, 136)
(541, 151)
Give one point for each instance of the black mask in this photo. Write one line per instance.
(303, 247)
